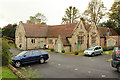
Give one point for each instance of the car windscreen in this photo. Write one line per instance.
(21, 54)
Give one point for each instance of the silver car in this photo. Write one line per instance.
(92, 51)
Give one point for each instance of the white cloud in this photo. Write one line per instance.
(13, 11)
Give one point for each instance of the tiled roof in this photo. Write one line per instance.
(37, 30)
(87, 26)
(103, 31)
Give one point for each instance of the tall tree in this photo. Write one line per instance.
(71, 15)
(95, 11)
(39, 17)
(114, 13)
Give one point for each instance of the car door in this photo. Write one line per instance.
(37, 55)
(96, 50)
(27, 58)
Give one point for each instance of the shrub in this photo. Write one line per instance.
(6, 54)
(52, 50)
(63, 51)
(104, 48)
(108, 48)
(76, 52)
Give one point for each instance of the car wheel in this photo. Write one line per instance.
(92, 54)
(17, 64)
(42, 60)
(118, 68)
(101, 53)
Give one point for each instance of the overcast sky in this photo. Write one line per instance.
(13, 11)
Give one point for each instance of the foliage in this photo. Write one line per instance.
(7, 73)
(29, 72)
(76, 53)
(63, 51)
(9, 31)
(108, 52)
(39, 18)
(52, 50)
(114, 13)
(108, 23)
(71, 15)
(107, 48)
(95, 11)
(117, 30)
(6, 54)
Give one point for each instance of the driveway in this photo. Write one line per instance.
(68, 66)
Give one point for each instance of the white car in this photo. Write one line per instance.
(92, 51)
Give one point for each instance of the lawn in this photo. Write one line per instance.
(47, 50)
(7, 73)
(108, 52)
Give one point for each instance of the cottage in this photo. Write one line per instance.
(64, 37)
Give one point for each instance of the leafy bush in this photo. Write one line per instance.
(76, 53)
(6, 54)
(108, 48)
(63, 51)
(52, 50)
(104, 48)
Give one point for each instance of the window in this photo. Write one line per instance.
(99, 47)
(81, 39)
(93, 40)
(108, 33)
(33, 40)
(36, 52)
(29, 53)
(96, 48)
(42, 52)
(50, 41)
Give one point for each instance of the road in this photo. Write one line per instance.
(69, 66)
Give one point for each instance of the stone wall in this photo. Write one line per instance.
(74, 40)
(51, 45)
(67, 48)
(102, 42)
(20, 38)
(116, 40)
(94, 33)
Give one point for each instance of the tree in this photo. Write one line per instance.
(95, 11)
(114, 13)
(6, 54)
(9, 31)
(39, 18)
(108, 23)
(71, 15)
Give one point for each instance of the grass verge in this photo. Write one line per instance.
(7, 73)
(108, 52)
